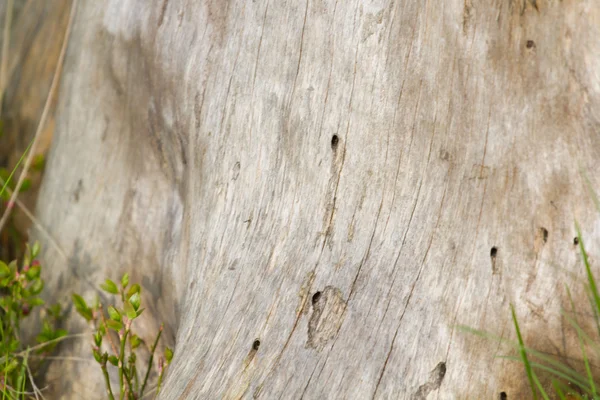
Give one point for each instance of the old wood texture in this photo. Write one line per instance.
(315, 193)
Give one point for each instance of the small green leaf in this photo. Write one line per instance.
(13, 346)
(135, 288)
(140, 311)
(114, 314)
(134, 341)
(114, 325)
(35, 250)
(36, 287)
(11, 366)
(79, 301)
(125, 280)
(60, 333)
(97, 356)
(33, 272)
(47, 329)
(86, 313)
(36, 301)
(135, 300)
(129, 310)
(98, 339)
(110, 287)
(113, 360)
(4, 270)
(55, 310)
(168, 355)
(42, 337)
(82, 307)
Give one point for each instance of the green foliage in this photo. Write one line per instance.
(121, 344)
(20, 287)
(110, 287)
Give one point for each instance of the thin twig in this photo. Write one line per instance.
(161, 371)
(42, 345)
(64, 358)
(5, 48)
(150, 392)
(52, 91)
(36, 390)
(17, 392)
(123, 339)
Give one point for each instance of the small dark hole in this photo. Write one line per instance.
(503, 396)
(441, 371)
(575, 240)
(316, 297)
(493, 251)
(544, 234)
(530, 44)
(256, 344)
(335, 140)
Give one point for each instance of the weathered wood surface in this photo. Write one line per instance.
(329, 178)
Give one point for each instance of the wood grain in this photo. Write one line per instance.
(241, 156)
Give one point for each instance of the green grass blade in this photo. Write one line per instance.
(591, 342)
(579, 382)
(523, 353)
(15, 168)
(540, 388)
(557, 390)
(562, 370)
(588, 269)
(587, 367)
(591, 300)
(591, 189)
(480, 333)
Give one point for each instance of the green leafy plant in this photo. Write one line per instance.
(121, 350)
(20, 289)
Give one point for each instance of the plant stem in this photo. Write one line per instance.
(121, 358)
(134, 375)
(150, 360)
(107, 381)
(161, 371)
(129, 393)
(112, 344)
